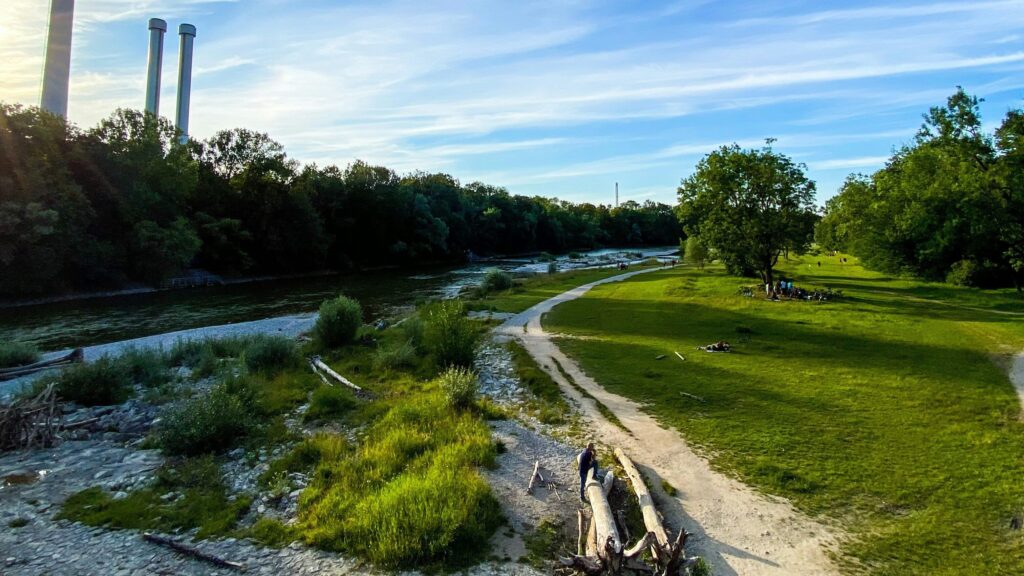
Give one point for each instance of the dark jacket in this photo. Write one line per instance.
(586, 461)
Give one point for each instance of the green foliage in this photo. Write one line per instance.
(270, 353)
(750, 206)
(496, 281)
(205, 356)
(330, 402)
(17, 354)
(849, 408)
(412, 329)
(409, 496)
(951, 204)
(459, 386)
(549, 406)
(339, 321)
(272, 532)
(449, 335)
(701, 568)
(544, 544)
(146, 366)
(102, 382)
(207, 423)
(696, 253)
(203, 504)
(394, 355)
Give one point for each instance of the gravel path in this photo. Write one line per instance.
(285, 325)
(736, 530)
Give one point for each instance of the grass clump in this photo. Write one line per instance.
(202, 503)
(100, 383)
(495, 281)
(459, 386)
(339, 321)
(205, 424)
(14, 354)
(270, 354)
(329, 403)
(394, 355)
(545, 544)
(272, 532)
(206, 356)
(149, 367)
(450, 336)
(410, 494)
(550, 406)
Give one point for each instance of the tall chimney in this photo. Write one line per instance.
(187, 34)
(57, 73)
(157, 27)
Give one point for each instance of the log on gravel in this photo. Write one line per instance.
(534, 477)
(192, 552)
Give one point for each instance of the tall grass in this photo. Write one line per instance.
(17, 354)
(102, 382)
(208, 423)
(449, 336)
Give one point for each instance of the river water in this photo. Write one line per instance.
(85, 322)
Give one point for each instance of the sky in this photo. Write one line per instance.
(560, 99)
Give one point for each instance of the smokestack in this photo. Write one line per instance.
(57, 73)
(187, 34)
(157, 27)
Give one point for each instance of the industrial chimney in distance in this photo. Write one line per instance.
(57, 71)
(157, 27)
(187, 34)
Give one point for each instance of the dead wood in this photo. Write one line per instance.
(192, 552)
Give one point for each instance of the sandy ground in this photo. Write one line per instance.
(1017, 377)
(736, 530)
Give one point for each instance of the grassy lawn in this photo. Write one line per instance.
(888, 411)
(540, 287)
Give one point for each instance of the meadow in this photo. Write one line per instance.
(887, 412)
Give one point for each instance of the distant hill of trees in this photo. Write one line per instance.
(125, 201)
(949, 206)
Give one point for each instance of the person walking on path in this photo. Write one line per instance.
(587, 460)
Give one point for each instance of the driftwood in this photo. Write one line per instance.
(192, 552)
(695, 397)
(328, 375)
(680, 356)
(534, 476)
(76, 355)
(669, 555)
(30, 422)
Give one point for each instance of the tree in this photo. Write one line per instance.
(696, 252)
(749, 206)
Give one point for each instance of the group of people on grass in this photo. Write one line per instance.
(784, 288)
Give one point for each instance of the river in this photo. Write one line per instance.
(74, 323)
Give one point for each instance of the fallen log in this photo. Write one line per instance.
(325, 372)
(695, 397)
(606, 534)
(667, 555)
(192, 552)
(76, 355)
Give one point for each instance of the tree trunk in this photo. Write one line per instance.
(606, 534)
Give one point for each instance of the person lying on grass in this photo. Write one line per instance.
(720, 346)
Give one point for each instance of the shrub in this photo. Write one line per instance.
(339, 321)
(394, 355)
(545, 257)
(459, 386)
(270, 354)
(103, 382)
(449, 335)
(147, 366)
(963, 273)
(575, 255)
(496, 281)
(205, 424)
(329, 402)
(412, 328)
(17, 354)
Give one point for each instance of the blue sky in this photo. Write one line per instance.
(551, 98)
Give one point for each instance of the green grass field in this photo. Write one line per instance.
(888, 412)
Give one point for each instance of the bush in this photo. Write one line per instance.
(412, 328)
(339, 321)
(205, 424)
(449, 335)
(496, 281)
(394, 356)
(147, 366)
(270, 354)
(17, 354)
(329, 402)
(963, 273)
(459, 386)
(545, 257)
(103, 382)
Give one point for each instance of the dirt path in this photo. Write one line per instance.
(736, 530)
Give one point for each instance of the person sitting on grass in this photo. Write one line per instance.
(587, 461)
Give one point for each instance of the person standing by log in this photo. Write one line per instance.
(587, 460)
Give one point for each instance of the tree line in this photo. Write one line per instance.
(948, 206)
(126, 202)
